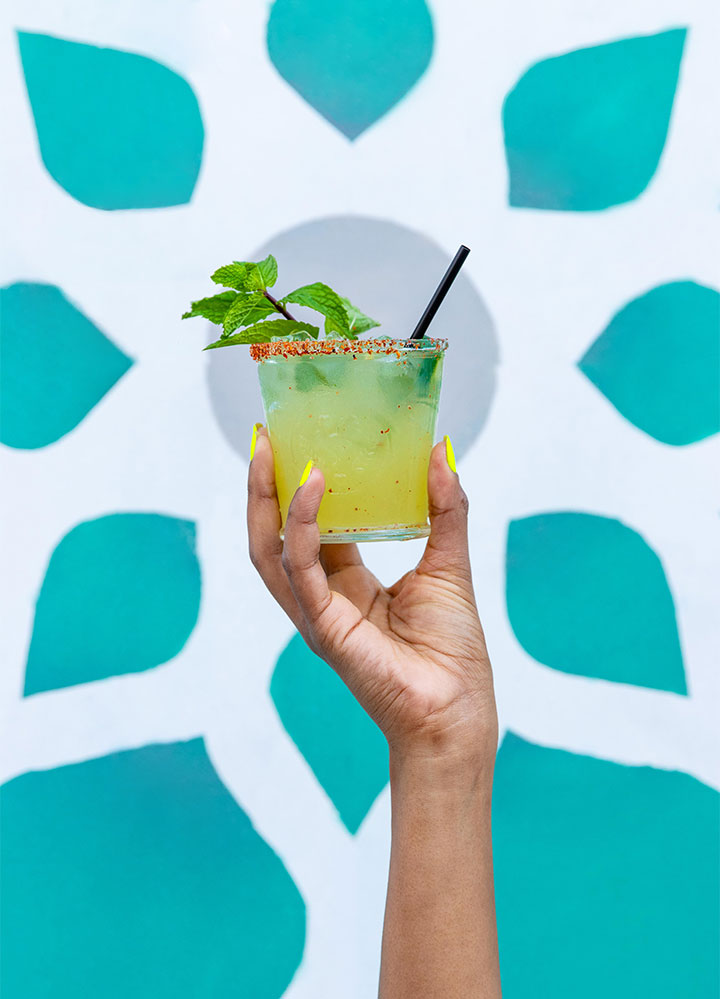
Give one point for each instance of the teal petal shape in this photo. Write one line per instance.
(658, 362)
(56, 365)
(606, 878)
(121, 594)
(352, 60)
(137, 874)
(116, 130)
(585, 131)
(588, 595)
(342, 745)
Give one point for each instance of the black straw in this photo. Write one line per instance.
(440, 292)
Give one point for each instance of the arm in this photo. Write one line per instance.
(439, 938)
(414, 656)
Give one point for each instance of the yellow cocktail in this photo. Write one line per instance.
(365, 412)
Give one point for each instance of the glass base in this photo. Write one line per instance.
(403, 532)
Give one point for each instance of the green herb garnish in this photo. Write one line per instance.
(248, 313)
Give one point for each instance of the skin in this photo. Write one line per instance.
(414, 656)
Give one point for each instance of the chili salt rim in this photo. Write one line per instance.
(335, 345)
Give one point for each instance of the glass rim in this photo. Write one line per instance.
(334, 346)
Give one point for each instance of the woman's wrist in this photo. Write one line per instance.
(461, 763)
(459, 743)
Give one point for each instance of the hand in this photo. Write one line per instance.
(412, 654)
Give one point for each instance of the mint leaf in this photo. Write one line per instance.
(308, 377)
(249, 302)
(213, 308)
(241, 277)
(324, 300)
(246, 309)
(357, 320)
(264, 332)
(331, 328)
(285, 327)
(268, 271)
(244, 275)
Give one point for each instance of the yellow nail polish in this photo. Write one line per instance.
(306, 473)
(450, 454)
(253, 439)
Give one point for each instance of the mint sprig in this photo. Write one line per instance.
(242, 308)
(359, 322)
(247, 276)
(264, 333)
(324, 300)
(245, 311)
(215, 308)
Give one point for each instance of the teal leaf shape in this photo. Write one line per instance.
(121, 594)
(116, 130)
(56, 365)
(351, 60)
(137, 874)
(585, 130)
(658, 362)
(606, 878)
(343, 747)
(587, 595)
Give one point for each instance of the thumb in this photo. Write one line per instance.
(446, 552)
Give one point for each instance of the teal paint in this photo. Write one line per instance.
(351, 60)
(121, 594)
(56, 365)
(587, 595)
(342, 745)
(138, 875)
(585, 130)
(116, 130)
(606, 878)
(658, 362)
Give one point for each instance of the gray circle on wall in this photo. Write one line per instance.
(389, 272)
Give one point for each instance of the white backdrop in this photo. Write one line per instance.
(551, 280)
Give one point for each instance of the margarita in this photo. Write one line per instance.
(364, 411)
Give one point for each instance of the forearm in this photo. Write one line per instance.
(440, 938)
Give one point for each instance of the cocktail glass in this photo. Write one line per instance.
(365, 412)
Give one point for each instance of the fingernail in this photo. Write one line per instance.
(450, 454)
(253, 439)
(306, 473)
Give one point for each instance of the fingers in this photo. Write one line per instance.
(348, 576)
(263, 519)
(301, 550)
(446, 552)
(336, 625)
(335, 558)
